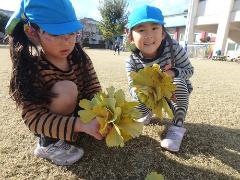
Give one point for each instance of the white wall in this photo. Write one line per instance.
(210, 11)
(236, 6)
(210, 7)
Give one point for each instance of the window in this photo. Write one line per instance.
(171, 35)
(231, 46)
(238, 47)
(196, 37)
(181, 37)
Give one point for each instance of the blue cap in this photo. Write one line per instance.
(144, 14)
(53, 16)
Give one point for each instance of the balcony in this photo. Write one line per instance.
(209, 15)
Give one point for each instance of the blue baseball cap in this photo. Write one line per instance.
(144, 14)
(56, 17)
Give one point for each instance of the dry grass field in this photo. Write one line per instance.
(210, 149)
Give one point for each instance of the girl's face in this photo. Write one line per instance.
(147, 37)
(57, 47)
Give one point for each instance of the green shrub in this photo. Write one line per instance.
(130, 46)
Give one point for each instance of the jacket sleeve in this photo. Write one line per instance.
(183, 65)
(130, 66)
(40, 120)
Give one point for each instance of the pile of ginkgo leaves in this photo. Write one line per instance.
(112, 110)
(154, 88)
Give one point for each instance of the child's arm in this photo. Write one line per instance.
(41, 121)
(91, 83)
(130, 66)
(183, 67)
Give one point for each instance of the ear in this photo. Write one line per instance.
(163, 33)
(129, 35)
(32, 34)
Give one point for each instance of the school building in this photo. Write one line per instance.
(217, 22)
(90, 35)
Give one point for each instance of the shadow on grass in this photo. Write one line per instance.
(220, 142)
(143, 155)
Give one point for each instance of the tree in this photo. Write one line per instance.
(3, 21)
(114, 18)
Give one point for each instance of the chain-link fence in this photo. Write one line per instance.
(200, 50)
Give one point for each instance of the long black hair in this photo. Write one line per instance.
(25, 75)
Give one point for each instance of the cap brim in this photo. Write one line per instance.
(60, 29)
(12, 23)
(14, 20)
(130, 26)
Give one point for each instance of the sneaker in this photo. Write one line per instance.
(173, 139)
(59, 153)
(146, 119)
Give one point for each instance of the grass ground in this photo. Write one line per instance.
(210, 150)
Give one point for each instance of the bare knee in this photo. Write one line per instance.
(66, 99)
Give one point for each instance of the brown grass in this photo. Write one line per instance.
(210, 150)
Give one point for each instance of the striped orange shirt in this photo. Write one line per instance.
(39, 119)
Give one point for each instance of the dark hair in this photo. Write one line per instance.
(25, 75)
(170, 42)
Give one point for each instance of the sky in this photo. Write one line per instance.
(89, 8)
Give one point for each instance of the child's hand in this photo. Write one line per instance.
(107, 130)
(91, 128)
(173, 98)
(167, 68)
(170, 73)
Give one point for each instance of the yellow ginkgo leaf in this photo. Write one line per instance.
(110, 103)
(158, 110)
(116, 114)
(98, 99)
(156, 67)
(133, 113)
(103, 126)
(86, 115)
(110, 92)
(154, 176)
(114, 137)
(120, 97)
(141, 79)
(100, 111)
(167, 108)
(129, 105)
(125, 136)
(85, 104)
(131, 127)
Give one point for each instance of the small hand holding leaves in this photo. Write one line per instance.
(112, 110)
(154, 88)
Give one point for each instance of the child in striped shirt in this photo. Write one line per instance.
(154, 46)
(50, 74)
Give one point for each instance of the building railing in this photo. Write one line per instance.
(201, 50)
